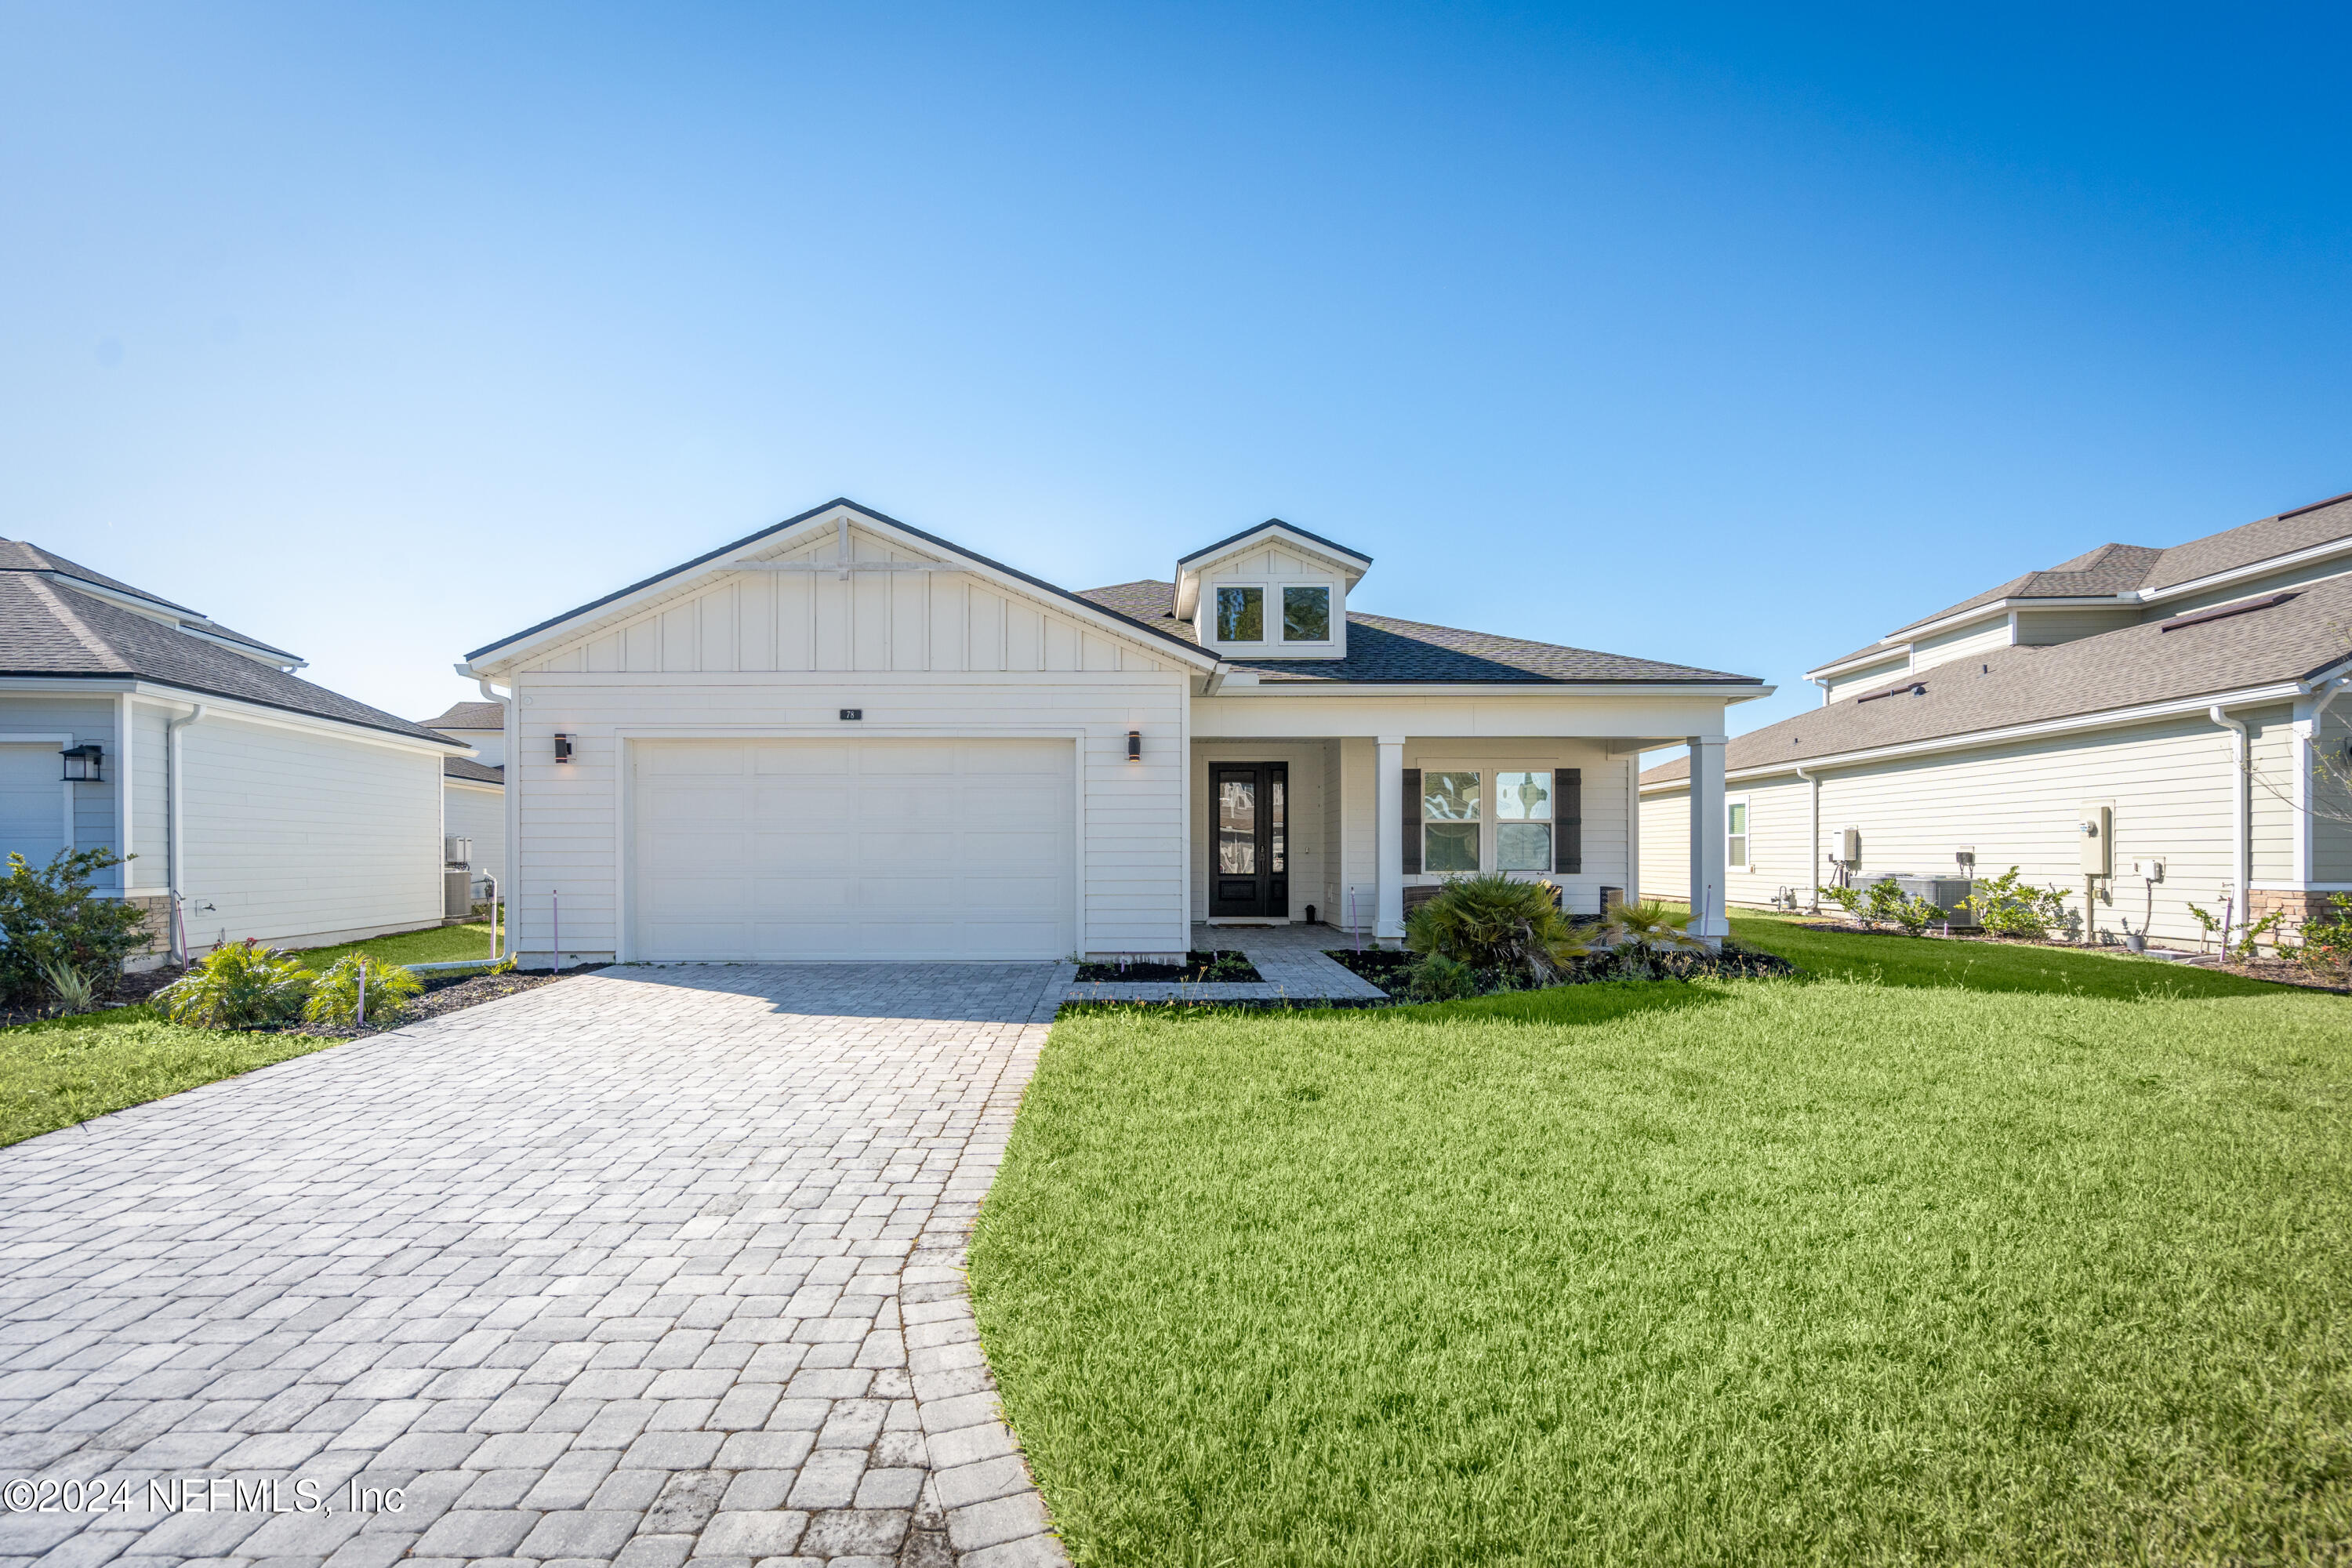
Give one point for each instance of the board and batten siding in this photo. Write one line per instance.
(298, 836)
(2017, 804)
(779, 655)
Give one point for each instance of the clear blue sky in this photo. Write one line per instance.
(1715, 335)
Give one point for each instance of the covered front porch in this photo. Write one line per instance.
(1350, 831)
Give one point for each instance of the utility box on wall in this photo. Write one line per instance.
(2096, 824)
(1849, 847)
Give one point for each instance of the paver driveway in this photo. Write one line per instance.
(646, 1265)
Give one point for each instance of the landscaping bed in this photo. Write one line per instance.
(1394, 971)
(1223, 967)
(447, 993)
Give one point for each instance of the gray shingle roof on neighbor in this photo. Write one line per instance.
(1382, 650)
(466, 768)
(468, 716)
(46, 628)
(2292, 641)
(22, 555)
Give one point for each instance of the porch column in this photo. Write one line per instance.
(1707, 847)
(1388, 773)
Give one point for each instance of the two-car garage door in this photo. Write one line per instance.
(852, 849)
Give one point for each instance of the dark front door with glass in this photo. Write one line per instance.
(1251, 871)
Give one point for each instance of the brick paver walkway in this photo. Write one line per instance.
(645, 1265)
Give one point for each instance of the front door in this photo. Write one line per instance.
(1251, 875)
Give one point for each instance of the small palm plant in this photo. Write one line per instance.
(74, 991)
(242, 985)
(1646, 937)
(1513, 929)
(358, 989)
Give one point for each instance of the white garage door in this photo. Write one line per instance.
(845, 849)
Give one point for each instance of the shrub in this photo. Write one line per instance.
(243, 985)
(49, 916)
(2247, 947)
(2327, 942)
(1491, 922)
(335, 999)
(1847, 899)
(2006, 905)
(73, 991)
(1437, 978)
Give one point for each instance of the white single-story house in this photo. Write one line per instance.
(843, 737)
(262, 805)
(474, 789)
(2158, 725)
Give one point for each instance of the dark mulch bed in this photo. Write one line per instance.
(129, 991)
(1223, 967)
(2277, 970)
(1389, 970)
(451, 995)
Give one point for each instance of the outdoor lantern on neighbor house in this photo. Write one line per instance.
(1135, 745)
(563, 747)
(84, 763)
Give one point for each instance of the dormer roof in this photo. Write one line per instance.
(1352, 565)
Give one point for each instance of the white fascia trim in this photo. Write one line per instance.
(164, 615)
(510, 656)
(2261, 568)
(1370, 690)
(451, 783)
(2113, 719)
(1900, 650)
(273, 659)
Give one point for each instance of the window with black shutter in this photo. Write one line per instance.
(1568, 821)
(1413, 822)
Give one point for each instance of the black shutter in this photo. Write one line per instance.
(1568, 821)
(1413, 822)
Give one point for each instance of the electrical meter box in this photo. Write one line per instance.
(2096, 825)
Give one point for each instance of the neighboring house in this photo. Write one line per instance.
(474, 789)
(2176, 700)
(843, 737)
(274, 808)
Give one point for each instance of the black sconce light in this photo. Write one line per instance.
(563, 747)
(1135, 745)
(84, 763)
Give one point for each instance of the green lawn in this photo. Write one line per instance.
(66, 1070)
(1882, 1270)
(435, 944)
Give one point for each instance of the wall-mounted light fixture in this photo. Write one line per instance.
(84, 763)
(563, 747)
(1135, 745)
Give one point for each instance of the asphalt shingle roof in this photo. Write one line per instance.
(46, 628)
(1382, 650)
(469, 716)
(2295, 640)
(466, 768)
(21, 556)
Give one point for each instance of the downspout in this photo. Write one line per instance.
(2241, 808)
(502, 895)
(175, 861)
(1814, 891)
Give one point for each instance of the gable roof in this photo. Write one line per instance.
(725, 551)
(1384, 650)
(2296, 639)
(1256, 528)
(2321, 522)
(49, 628)
(468, 716)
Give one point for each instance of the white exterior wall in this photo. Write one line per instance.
(1274, 568)
(150, 797)
(478, 812)
(489, 745)
(1853, 682)
(303, 837)
(922, 654)
(2040, 629)
(1962, 642)
(2169, 784)
(2251, 587)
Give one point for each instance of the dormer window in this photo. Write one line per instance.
(1270, 592)
(1306, 614)
(1241, 614)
